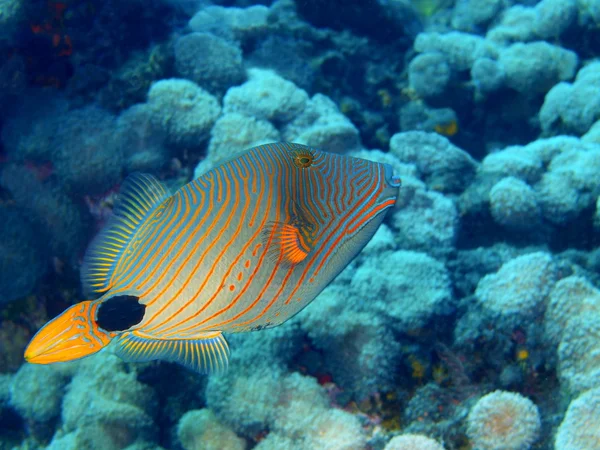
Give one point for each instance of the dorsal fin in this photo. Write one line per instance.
(140, 195)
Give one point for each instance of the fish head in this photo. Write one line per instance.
(357, 193)
(374, 190)
(72, 335)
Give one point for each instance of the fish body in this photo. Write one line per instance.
(244, 247)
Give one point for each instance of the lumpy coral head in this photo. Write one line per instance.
(503, 421)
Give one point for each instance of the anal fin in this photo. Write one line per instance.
(208, 353)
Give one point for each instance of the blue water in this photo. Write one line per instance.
(470, 319)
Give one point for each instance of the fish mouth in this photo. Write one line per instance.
(71, 335)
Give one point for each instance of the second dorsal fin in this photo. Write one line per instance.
(140, 195)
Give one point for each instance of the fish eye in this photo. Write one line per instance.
(304, 159)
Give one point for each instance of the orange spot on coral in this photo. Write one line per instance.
(231, 287)
(247, 263)
(239, 276)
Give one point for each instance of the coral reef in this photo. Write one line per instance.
(468, 321)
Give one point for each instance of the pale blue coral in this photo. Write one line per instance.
(413, 442)
(428, 222)
(323, 126)
(460, 49)
(573, 107)
(475, 15)
(533, 68)
(239, 24)
(579, 349)
(408, 288)
(549, 19)
(517, 291)
(183, 110)
(234, 132)
(429, 74)
(122, 407)
(266, 96)
(570, 185)
(566, 301)
(210, 61)
(38, 402)
(444, 166)
(580, 429)
(514, 205)
(143, 142)
(201, 430)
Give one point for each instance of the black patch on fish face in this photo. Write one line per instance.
(120, 313)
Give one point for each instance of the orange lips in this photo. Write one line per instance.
(72, 335)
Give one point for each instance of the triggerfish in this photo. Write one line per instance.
(244, 247)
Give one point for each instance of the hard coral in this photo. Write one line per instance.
(183, 110)
(517, 291)
(413, 442)
(535, 67)
(201, 430)
(442, 165)
(579, 349)
(238, 24)
(214, 63)
(503, 421)
(323, 126)
(514, 205)
(428, 222)
(266, 96)
(580, 429)
(429, 74)
(460, 49)
(235, 132)
(573, 107)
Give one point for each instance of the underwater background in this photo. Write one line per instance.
(470, 321)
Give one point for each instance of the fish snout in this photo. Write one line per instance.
(71, 335)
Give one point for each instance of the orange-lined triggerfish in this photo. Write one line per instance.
(244, 247)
